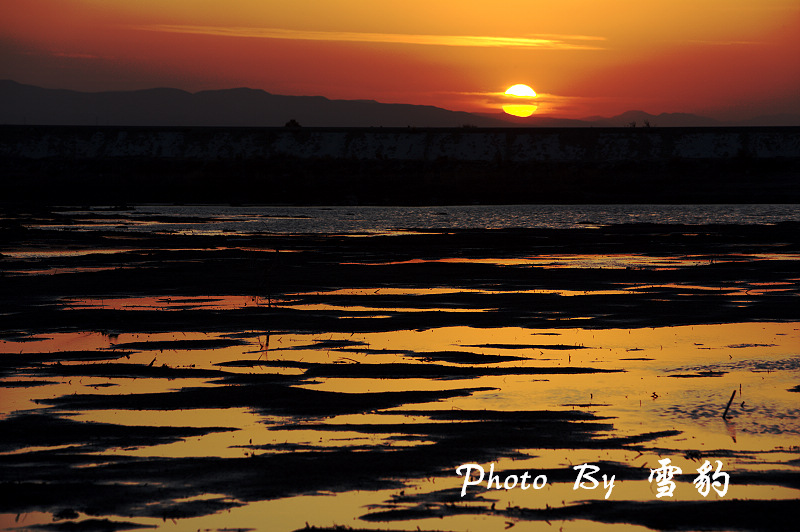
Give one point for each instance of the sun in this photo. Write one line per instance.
(521, 91)
(521, 102)
(522, 111)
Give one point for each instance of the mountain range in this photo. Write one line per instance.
(243, 107)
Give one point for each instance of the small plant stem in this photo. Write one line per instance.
(729, 404)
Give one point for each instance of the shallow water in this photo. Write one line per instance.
(201, 219)
(343, 382)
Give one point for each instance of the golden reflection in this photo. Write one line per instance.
(663, 387)
(173, 303)
(80, 341)
(646, 396)
(619, 261)
(26, 254)
(298, 512)
(444, 291)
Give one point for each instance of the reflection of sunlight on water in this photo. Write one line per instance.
(678, 402)
(168, 303)
(27, 519)
(444, 291)
(760, 357)
(283, 515)
(599, 261)
(758, 360)
(57, 253)
(607, 261)
(356, 308)
(75, 341)
(675, 378)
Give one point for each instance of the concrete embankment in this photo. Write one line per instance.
(381, 165)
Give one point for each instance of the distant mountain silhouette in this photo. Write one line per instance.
(641, 118)
(626, 119)
(27, 104)
(644, 119)
(784, 119)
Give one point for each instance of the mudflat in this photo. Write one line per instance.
(281, 381)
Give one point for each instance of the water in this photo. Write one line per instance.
(168, 379)
(205, 219)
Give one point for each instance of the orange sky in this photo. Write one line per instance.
(722, 58)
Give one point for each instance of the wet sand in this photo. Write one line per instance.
(276, 382)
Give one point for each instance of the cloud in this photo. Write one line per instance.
(496, 98)
(546, 103)
(546, 41)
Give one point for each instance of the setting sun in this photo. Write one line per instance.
(520, 110)
(522, 91)
(522, 105)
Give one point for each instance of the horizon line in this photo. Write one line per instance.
(487, 113)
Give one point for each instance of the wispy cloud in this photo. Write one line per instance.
(545, 103)
(502, 97)
(547, 41)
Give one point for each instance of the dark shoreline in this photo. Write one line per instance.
(390, 166)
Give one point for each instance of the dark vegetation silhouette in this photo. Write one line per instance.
(364, 166)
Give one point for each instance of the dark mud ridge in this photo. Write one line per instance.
(120, 165)
(722, 280)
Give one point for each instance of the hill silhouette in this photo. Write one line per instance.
(243, 107)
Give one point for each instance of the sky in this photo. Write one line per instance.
(728, 59)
